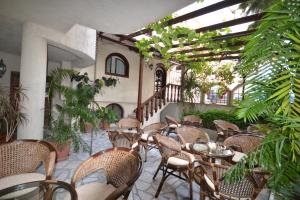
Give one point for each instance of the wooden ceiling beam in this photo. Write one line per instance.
(216, 59)
(222, 37)
(210, 54)
(191, 15)
(239, 43)
(242, 20)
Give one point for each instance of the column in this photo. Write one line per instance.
(33, 80)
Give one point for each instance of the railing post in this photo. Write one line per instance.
(168, 92)
(155, 103)
(151, 107)
(159, 101)
(147, 111)
(178, 93)
(164, 96)
(171, 93)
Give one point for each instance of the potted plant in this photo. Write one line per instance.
(10, 113)
(73, 112)
(106, 116)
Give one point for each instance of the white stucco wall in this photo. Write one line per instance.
(126, 91)
(12, 63)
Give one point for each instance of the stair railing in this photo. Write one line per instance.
(169, 93)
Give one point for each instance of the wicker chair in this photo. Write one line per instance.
(243, 142)
(210, 178)
(188, 135)
(146, 140)
(226, 129)
(173, 159)
(173, 123)
(192, 120)
(127, 134)
(20, 159)
(122, 167)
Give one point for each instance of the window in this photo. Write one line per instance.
(116, 64)
(118, 109)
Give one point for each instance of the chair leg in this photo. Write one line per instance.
(191, 185)
(161, 164)
(146, 150)
(126, 195)
(162, 181)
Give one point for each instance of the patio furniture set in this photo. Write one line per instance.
(187, 153)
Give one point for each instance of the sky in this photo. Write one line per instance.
(218, 16)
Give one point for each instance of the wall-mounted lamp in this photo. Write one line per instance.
(2, 68)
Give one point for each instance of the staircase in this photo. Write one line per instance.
(169, 93)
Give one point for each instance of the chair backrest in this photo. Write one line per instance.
(24, 156)
(192, 120)
(171, 120)
(129, 123)
(167, 146)
(245, 142)
(210, 177)
(222, 125)
(188, 134)
(160, 126)
(122, 139)
(122, 166)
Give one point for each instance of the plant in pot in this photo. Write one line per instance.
(106, 116)
(10, 113)
(73, 111)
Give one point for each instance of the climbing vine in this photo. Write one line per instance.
(165, 38)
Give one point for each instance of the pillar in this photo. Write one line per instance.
(33, 69)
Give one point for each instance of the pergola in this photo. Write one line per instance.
(196, 54)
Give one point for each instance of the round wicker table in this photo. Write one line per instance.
(202, 149)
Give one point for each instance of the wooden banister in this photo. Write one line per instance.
(169, 93)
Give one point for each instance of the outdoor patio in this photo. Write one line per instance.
(144, 188)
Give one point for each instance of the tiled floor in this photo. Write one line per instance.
(145, 187)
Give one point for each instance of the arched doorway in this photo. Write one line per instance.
(118, 109)
(159, 77)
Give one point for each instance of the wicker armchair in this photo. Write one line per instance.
(226, 129)
(146, 140)
(122, 167)
(173, 123)
(192, 120)
(127, 133)
(173, 159)
(243, 142)
(20, 159)
(188, 135)
(210, 178)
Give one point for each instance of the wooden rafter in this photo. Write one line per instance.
(229, 23)
(236, 44)
(191, 15)
(216, 59)
(222, 37)
(223, 53)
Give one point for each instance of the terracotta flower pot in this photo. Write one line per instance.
(88, 127)
(62, 150)
(105, 125)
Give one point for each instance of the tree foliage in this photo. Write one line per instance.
(272, 64)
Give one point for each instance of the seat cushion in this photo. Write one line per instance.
(94, 191)
(129, 130)
(145, 137)
(9, 181)
(238, 156)
(177, 162)
(174, 125)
